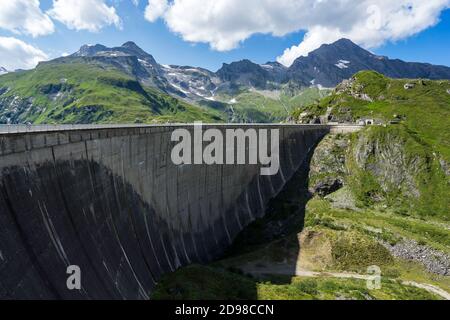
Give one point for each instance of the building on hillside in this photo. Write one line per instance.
(369, 122)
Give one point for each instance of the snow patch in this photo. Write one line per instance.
(266, 66)
(179, 88)
(193, 70)
(342, 64)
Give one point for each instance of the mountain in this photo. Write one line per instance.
(234, 99)
(333, 63)
(127, 49)
(129, 58)
(241, 91)
(3, 71)
(188, 83)
(244, 73)
(92, 89)
(192, 84)
(325, 67)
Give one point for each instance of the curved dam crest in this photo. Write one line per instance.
(111, 201)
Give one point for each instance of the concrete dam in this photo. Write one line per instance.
(109, 200)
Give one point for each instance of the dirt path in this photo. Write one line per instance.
(430, 288)
(283, 270)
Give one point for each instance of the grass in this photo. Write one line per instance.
(205, 283)
(390, 166)
(353, 251)
(432, 232)
(425, 108)
(331, 289)
(93, 93)
(256, 106)
(389, 227)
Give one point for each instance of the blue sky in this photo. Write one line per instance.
(161, 39)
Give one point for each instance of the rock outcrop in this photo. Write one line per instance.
(328, 168)
(434, 261)
(382, 166)
(383, 154)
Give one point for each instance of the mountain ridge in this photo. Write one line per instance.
(241, 91)
(331, 64)
(326, 67)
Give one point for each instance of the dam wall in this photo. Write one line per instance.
(109, 200)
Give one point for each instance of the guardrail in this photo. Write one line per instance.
(22, 128)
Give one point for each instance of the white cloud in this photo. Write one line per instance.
(91, 15)
(386, 21)
(155, 9)
(16, 54)
(225, 23)
(25, 17)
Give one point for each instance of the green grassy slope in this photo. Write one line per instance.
(413, 143)
(390, 166)
(425, 109)
(266, 107)
(201, 282)
(89, 93)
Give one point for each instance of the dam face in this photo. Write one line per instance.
(110, 201)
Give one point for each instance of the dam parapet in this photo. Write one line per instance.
(110, 200)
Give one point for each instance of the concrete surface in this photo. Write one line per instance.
(109, 200)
